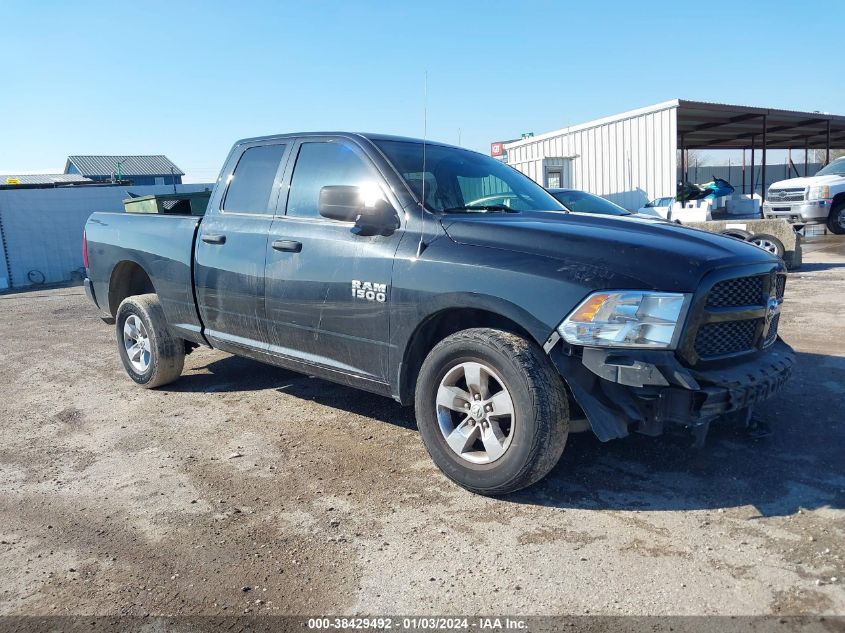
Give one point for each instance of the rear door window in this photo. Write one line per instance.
(252, 181)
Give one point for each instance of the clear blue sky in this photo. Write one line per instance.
(188, 78)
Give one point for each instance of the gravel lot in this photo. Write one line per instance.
(248, 488)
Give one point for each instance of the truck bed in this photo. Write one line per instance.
(161, 245)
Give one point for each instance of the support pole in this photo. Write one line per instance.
(827, 148)
(753, 183)
(806, 155)
(743, 170)
(763, 162)
(683, 161)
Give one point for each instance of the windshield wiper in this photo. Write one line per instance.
(480, 207)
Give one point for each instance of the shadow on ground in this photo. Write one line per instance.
(818, 266)
(235, 373)
(799, 466)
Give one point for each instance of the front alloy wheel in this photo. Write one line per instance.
(836, 219)
(491, 410)
(475, 413)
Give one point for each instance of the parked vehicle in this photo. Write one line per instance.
(659, 206)
(819, 199)
(716, 188)
(579, 201)
(358, 259)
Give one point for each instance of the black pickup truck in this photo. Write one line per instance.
(380, 263)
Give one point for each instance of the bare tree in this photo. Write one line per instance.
(694, 158)
(818, 155)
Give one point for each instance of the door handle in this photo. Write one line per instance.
(214, 239)
(289, 246)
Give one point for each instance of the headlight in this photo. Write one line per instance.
(819, 193)
(627, 319)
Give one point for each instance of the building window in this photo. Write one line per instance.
(159, 180)
(553, 180)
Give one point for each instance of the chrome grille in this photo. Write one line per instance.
(744, 291)
(726, 337)
(789, 194)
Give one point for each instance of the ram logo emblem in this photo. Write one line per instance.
(369, 291)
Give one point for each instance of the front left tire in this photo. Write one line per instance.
(836, 219)
(492, 410)
(151, 355)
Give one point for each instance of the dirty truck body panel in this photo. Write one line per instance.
(160, 245)
(265, 275)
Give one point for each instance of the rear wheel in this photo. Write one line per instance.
(151, 355)
(768, 243)
(737, 233)
(836, 219)
(491, 410)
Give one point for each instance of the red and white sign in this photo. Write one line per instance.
(496, 149)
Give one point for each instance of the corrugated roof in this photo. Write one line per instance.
(701, 124)
(629, 114)
(726, 126)
(157, 165)
(43, 179)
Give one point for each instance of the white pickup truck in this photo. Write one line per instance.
(819, 199)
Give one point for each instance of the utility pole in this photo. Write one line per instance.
(118, 170)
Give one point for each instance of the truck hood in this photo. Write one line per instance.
(808, 181)
(605, 250)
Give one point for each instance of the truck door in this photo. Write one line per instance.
(328, 289)
(229, 270)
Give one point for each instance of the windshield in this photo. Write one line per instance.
(836, 168)
(460, 181)
(583, 202)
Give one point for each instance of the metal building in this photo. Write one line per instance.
(633, 157)
(136, 170)
(58, 180)
(41, 228)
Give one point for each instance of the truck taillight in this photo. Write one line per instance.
(84, 249)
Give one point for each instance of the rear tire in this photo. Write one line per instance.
(151, 355)
(836, 219)
(736, 233)
(768, 243)
(491, 410)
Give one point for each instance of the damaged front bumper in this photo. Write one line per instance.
(645, 390)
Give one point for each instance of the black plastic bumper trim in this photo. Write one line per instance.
(89, 291)
(622, 390)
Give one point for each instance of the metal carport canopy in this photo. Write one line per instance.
(703, 125)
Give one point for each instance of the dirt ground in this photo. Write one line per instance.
(245, 488)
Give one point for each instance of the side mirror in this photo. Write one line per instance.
(347, 204)
(340, 202)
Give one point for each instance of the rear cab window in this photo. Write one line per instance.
(252, 180)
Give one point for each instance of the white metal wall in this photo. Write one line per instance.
(4, 272)
(627, 159)
(42, 228)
